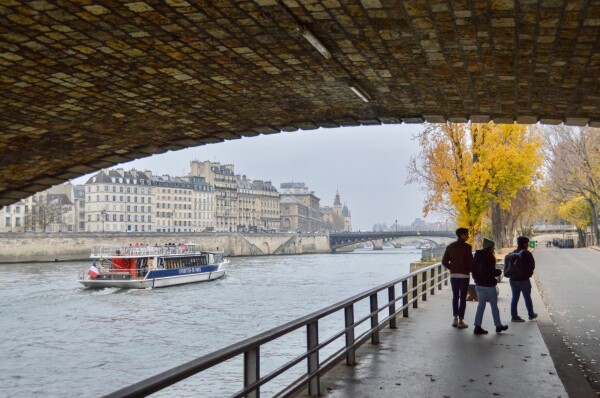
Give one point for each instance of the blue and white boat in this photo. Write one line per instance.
(148, 267)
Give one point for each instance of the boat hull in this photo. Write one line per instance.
(152, 283)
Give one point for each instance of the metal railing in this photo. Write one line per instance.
(414, 286)
(145, 250)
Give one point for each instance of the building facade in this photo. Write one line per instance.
(300, 208)
(119, 201)
(13, 217)
(258, 206)
(223, 180)
(183, 204)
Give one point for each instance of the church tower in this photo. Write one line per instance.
(337, 203)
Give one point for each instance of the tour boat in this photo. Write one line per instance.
(148, 267)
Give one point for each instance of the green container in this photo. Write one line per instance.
(532, 244)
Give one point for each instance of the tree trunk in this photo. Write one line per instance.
(581, 238)
(594, 212)
(497, 225)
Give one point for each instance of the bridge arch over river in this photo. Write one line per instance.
(341, 239)
(90, 85)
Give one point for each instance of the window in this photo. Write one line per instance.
(7, 222)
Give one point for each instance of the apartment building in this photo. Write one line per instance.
(223, 180)
(119, 201)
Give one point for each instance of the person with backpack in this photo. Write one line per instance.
(485, 273)
(523, 265)
(458, 257)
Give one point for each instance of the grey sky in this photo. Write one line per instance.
(367, 164)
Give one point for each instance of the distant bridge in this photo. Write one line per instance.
(554, 228)
(340, 239)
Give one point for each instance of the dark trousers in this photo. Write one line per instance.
(517, 288)
(460, 287)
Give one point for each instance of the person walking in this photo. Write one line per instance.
(485, 273)
(458, 258)
(522, 284)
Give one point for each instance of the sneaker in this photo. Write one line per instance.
(462, 325)
(501, 328)
(518, 319)
(534, 316)
(479, 330)
(455, 322)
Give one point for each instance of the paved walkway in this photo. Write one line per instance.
(426, 357)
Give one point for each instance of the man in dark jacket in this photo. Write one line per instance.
(485, 273)
(458, 258)
(522, 284)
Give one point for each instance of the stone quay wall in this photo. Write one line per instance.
(77, 246)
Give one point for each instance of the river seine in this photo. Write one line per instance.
(61, 340)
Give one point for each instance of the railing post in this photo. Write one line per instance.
(374, 320)
(392, 307)
(312, 337)
(252, 370)
(439, 267)
(415, 292)
(445, 276)
(349, 316)
(432, 281)
(424, 282)
(405, 298)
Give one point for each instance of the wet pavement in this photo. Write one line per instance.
(569, 280)
(426, 357)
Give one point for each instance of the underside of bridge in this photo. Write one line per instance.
(87, 84)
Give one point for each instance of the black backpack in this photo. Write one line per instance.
(513, 265)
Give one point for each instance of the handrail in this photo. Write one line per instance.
(250, 347)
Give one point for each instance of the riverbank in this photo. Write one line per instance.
(17, 248)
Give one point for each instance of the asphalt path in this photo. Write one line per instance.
(569, 282)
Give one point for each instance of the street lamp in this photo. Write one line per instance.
(169, 215)
(396, 225)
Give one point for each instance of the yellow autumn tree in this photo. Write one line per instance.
(577, 212)
(466, 168)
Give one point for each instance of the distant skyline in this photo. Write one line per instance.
(366, 164)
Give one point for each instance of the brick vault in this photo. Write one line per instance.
(87, 84)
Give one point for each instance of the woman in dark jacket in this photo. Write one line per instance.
(484, 272)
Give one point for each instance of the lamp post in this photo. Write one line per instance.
(169, 215)
(396, 225)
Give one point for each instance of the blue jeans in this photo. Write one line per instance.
(485, 294)
(460, 287)
(517, 288)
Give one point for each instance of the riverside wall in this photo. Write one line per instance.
(77, 246)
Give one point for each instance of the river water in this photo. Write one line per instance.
(61, 340)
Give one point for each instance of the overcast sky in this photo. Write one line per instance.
(367, 164)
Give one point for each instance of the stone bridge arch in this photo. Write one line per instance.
(87, 86)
